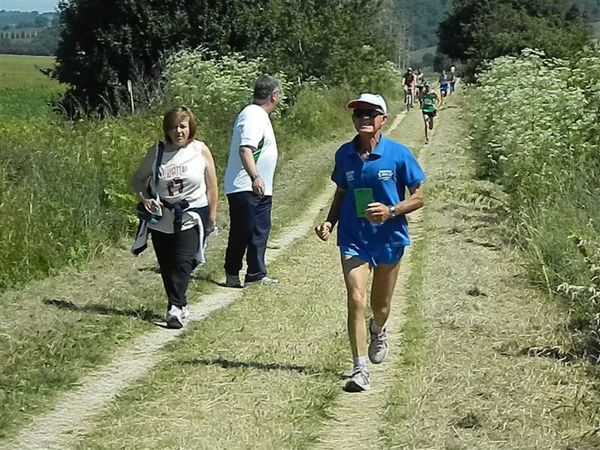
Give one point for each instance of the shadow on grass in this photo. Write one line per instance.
(229, 364)
(154, 268)
(195, 275)
(140, 313)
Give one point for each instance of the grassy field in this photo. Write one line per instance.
(66, 184)
(24, 90)
(265, 372)
(66, 189)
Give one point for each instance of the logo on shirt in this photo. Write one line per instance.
(173, 171)
(385, 175)
(350, 176)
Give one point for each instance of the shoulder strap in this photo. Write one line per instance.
(159, 156)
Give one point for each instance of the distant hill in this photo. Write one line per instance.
(591, 8)
(28, 33)
(416, 57)
(18, 19)
(423, 19)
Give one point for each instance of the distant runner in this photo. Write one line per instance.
(443, 80)
(420, 81)
(408, 85)
(430, 103)
(452, 79)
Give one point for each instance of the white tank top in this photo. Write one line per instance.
(181, 176)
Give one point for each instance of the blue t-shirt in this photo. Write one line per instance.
(389, 170)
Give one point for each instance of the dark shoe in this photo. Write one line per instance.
(174, 317)
(232, 281)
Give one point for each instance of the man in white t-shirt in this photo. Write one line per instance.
(249, 185)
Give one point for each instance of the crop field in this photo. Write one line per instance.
(24, 90)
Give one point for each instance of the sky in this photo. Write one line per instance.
(28, 5)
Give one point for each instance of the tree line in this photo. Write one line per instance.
(105, 43)
(477, 31)
(17, 27)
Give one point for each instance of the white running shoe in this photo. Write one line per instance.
(378, 347)
(359, 381)
(175, 317)
(265, 281)
(185, 312)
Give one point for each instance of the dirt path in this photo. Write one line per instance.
(357, 417)
(74, 413)
(475, 389)
(472, 387)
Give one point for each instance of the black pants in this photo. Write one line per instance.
(176, 254)
(250, 224)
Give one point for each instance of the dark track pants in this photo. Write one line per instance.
(250, 224)
(176, 254)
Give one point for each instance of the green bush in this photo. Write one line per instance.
(535, 131)
(64, 187)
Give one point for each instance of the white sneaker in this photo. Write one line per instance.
(359, 381)
(174, 317)
(185, 313)
(265, 281)
(232, 281)
(378, 347)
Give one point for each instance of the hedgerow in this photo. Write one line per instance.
(535, 131)
(64, 186)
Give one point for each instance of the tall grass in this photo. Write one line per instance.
(64, 187)
(536, 131)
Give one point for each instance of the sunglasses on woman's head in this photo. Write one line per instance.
(370, 113)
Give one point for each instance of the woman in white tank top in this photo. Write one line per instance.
(177, 184)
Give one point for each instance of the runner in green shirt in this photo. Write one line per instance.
(429, 107)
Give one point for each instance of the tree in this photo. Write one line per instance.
(104, 43)
(41, 21)
(476, 31)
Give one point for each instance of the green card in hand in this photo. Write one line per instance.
(362, 198)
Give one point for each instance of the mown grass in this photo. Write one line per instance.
(64, 201)
(399, 406)
(262, 373)
(69, 201)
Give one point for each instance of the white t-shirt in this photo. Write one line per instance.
(252, 128)
(181, 176)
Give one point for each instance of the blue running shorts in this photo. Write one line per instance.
(385, 255)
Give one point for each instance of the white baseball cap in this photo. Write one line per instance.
(367, 100)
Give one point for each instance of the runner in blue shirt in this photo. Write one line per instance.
(443, 80)
(372, 174)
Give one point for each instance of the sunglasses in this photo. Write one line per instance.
(370, 113)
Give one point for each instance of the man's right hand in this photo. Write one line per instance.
(258, 187)
(324, 230)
